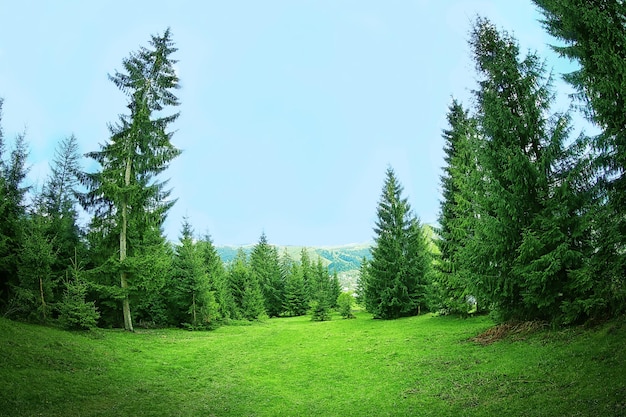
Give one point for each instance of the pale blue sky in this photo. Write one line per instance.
(291, 110)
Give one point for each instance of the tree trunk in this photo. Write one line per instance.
(43, 301)
(128, 322)
(193, 303)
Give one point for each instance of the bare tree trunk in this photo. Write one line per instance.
(128, 322)
(43, 301)
(193, 303)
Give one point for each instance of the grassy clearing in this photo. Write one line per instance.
(294, 367)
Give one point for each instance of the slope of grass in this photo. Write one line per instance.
(294, 367)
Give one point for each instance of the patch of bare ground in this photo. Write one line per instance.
(516, 330)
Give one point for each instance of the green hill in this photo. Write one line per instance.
(345, 259)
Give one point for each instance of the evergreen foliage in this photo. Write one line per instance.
(245, 289)
(218, 283)
(13, 214)
(344, 302)
(265, 268)
(126, 190)
(456, 214)
(34, 291)
(295, 301)
(593, 34)
(75, 313)
(191, 301)
(526, 243)
(398, 274)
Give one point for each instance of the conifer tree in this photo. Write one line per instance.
(190, 297)
(397, 272)
(265, 268)
(59, 206)
(36, 256)
(75, 313)
(295, 303)
(126, 189)
(307, 273)
(214, 267)
(524, 251)
(593, 34)
(334, 290)
(456, 212)
(13, 214)
(246, 291)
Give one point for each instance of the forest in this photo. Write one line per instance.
(531, 224)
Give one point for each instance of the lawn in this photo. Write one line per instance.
(294, 367)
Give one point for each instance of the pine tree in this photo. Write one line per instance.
(191, 300)
(307, 273)
(245, 289)
(59, 206)
(139, 149)
(321, 298)
(295, 303)
(34, 270)
(75, 313)
(13, 215)
(396, 273)
(214, 267)
(524, 250)
(361, 283)
(265, 268)
(456, 212)
(594, 36)
(334, 290)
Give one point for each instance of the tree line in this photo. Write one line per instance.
(532, 218)
(532, 222)
(531, 225)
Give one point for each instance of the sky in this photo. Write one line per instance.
(291, 110)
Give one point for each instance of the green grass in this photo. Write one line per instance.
(294, 367)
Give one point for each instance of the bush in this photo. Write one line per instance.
(345, 301)
(320, 311)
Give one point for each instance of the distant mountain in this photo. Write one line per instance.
(345, 259)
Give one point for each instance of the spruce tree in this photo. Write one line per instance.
(214, 267)
(524, 250)
(396, 274)
(593, 34)
(245, 289)
(334, 290)
(13, 214)
(456, 212)
(75, 313)
(295, 303)
(36, 256)
(191, 300)
(265, 268)
(126, 189)
(59, 205)
(307, 273)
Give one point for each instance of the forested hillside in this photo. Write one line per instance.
(345, 259)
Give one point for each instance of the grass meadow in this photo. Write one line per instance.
(419, 366)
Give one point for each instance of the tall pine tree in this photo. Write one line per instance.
(524, 248)
(593, 34)
(456, 213)
(127, 188)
